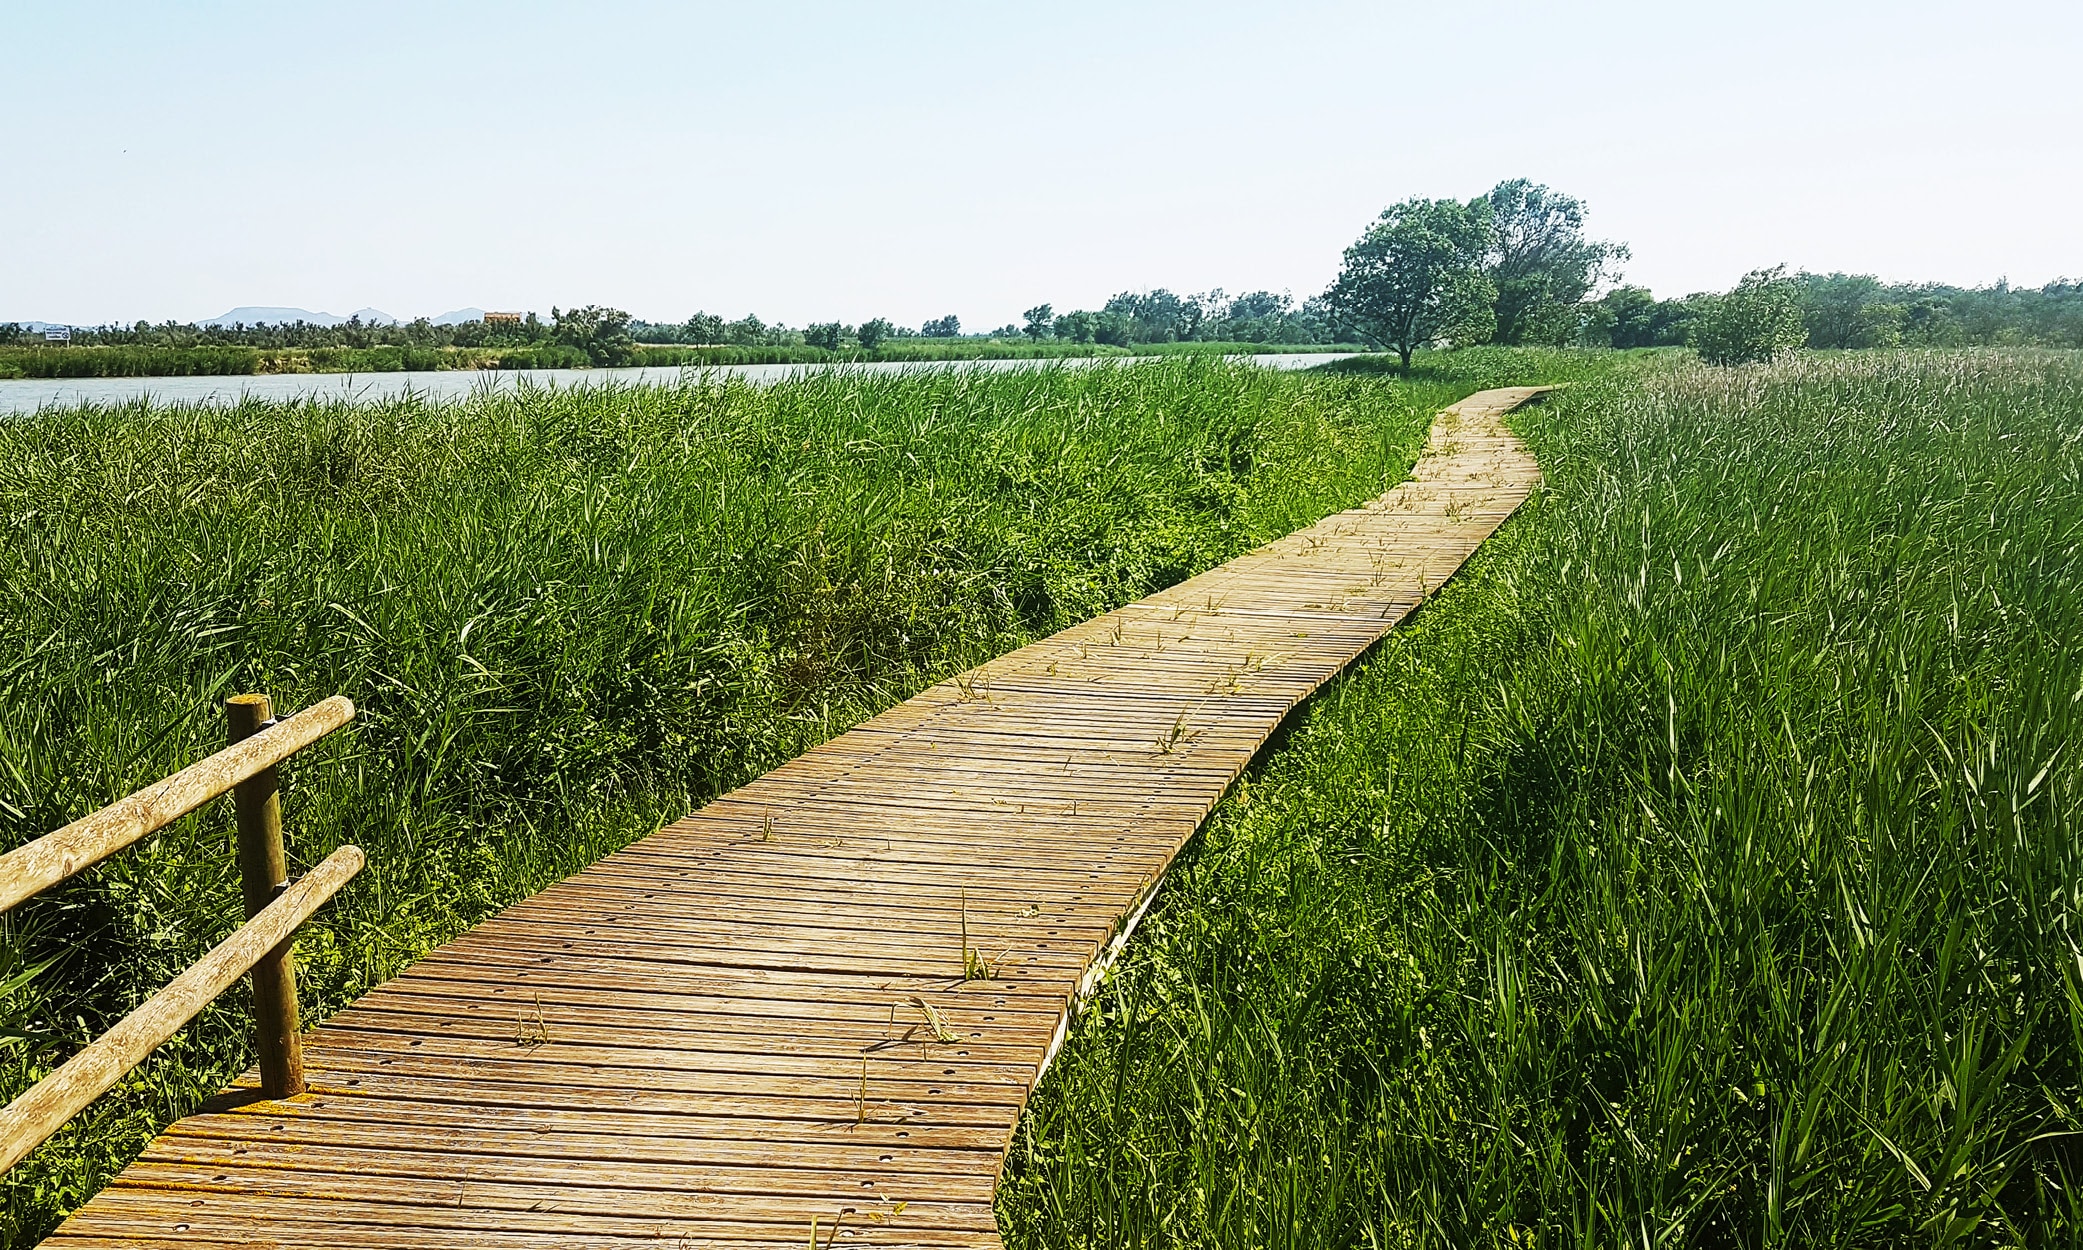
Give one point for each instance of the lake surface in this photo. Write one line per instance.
(23, 395)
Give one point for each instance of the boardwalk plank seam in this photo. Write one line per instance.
(759, 1016)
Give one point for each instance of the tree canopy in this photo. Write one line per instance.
(1418, 276)
(1540, 262)
(602, 333)
(1758, 320)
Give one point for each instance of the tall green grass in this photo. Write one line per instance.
(1700, 868)
(217, 360)
(565, 615)
(129, 361)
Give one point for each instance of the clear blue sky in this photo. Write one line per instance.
(813, 161)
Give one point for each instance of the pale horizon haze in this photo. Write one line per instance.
(813, 162)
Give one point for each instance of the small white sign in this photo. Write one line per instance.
(57, 334)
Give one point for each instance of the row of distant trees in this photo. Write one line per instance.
(708, 330)
(529, 331)
(1514, 266)
(610, 335)
(1161, 316)
(1838, 310)
(1129, 318)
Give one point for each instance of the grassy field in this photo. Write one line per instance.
(123, 361)
(1700, 868)
(565, 615)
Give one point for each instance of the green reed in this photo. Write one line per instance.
(1700, 868)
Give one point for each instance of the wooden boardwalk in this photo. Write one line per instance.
(766, 1014)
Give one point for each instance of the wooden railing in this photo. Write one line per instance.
(274, 911)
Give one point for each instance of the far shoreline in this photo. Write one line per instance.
(21, 397)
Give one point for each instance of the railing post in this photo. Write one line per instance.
(263, 875)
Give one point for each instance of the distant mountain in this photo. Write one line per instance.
(460, 316)
(253, 315)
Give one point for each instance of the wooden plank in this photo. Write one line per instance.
(844, 1147)
(760, 1014)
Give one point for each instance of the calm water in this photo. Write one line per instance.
(19, 395)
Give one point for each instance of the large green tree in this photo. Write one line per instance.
(1541, 263)
(1416, 277)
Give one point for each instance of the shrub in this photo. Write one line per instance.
(1758, 320)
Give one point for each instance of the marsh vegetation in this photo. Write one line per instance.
(1699, 868)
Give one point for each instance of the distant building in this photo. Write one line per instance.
(505, 318)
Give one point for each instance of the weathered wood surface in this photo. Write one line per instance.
(757, 1018)
(263, 876)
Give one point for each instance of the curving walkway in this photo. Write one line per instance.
(822, 998)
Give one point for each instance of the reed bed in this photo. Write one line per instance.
(1700, 868)
(566, 615)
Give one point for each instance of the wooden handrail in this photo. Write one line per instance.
(274, 910)
(48, 1104)
(36, 866)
